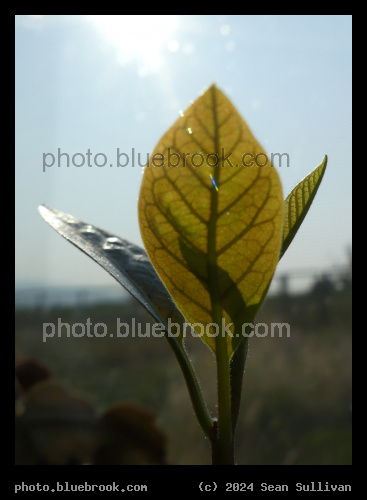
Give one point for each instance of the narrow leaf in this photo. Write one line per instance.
(298, 202)
(130, 266)
(126, 262)
(238, 362)
(212, 226)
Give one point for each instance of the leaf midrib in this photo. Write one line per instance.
(225, 435)
(212, 233)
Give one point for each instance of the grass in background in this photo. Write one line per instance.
(296, 403)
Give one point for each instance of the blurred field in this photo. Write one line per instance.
(296, 406)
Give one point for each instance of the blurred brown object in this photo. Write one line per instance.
(131, 436)
(54, 427)
(29, 371)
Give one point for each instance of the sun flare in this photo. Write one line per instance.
(140, 38)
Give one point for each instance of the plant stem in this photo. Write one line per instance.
(198, 403)
(222, 437)
(225, 434)
(237, 368)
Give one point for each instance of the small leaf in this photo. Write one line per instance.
(298, 202)
(211, 226)
(126, 262)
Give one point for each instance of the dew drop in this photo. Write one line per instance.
(189, 130)
(181, 112)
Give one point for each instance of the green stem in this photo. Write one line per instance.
(225, 435)
(237, 368)
(200, 408)
(222, 439)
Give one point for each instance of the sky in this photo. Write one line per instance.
(101, 84)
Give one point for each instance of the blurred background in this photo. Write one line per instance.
(92, 85)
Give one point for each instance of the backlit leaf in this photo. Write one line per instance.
(212, 227)
(298, 202)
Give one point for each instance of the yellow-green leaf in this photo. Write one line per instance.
(298, 202)
(211, 226)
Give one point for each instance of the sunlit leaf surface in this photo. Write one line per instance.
(298, 202)
(212, 227)
(126, 262)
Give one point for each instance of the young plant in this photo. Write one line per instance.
(214, 225)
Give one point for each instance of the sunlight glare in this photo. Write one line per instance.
(137, 37)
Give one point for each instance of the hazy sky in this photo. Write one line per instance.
(99, 83)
